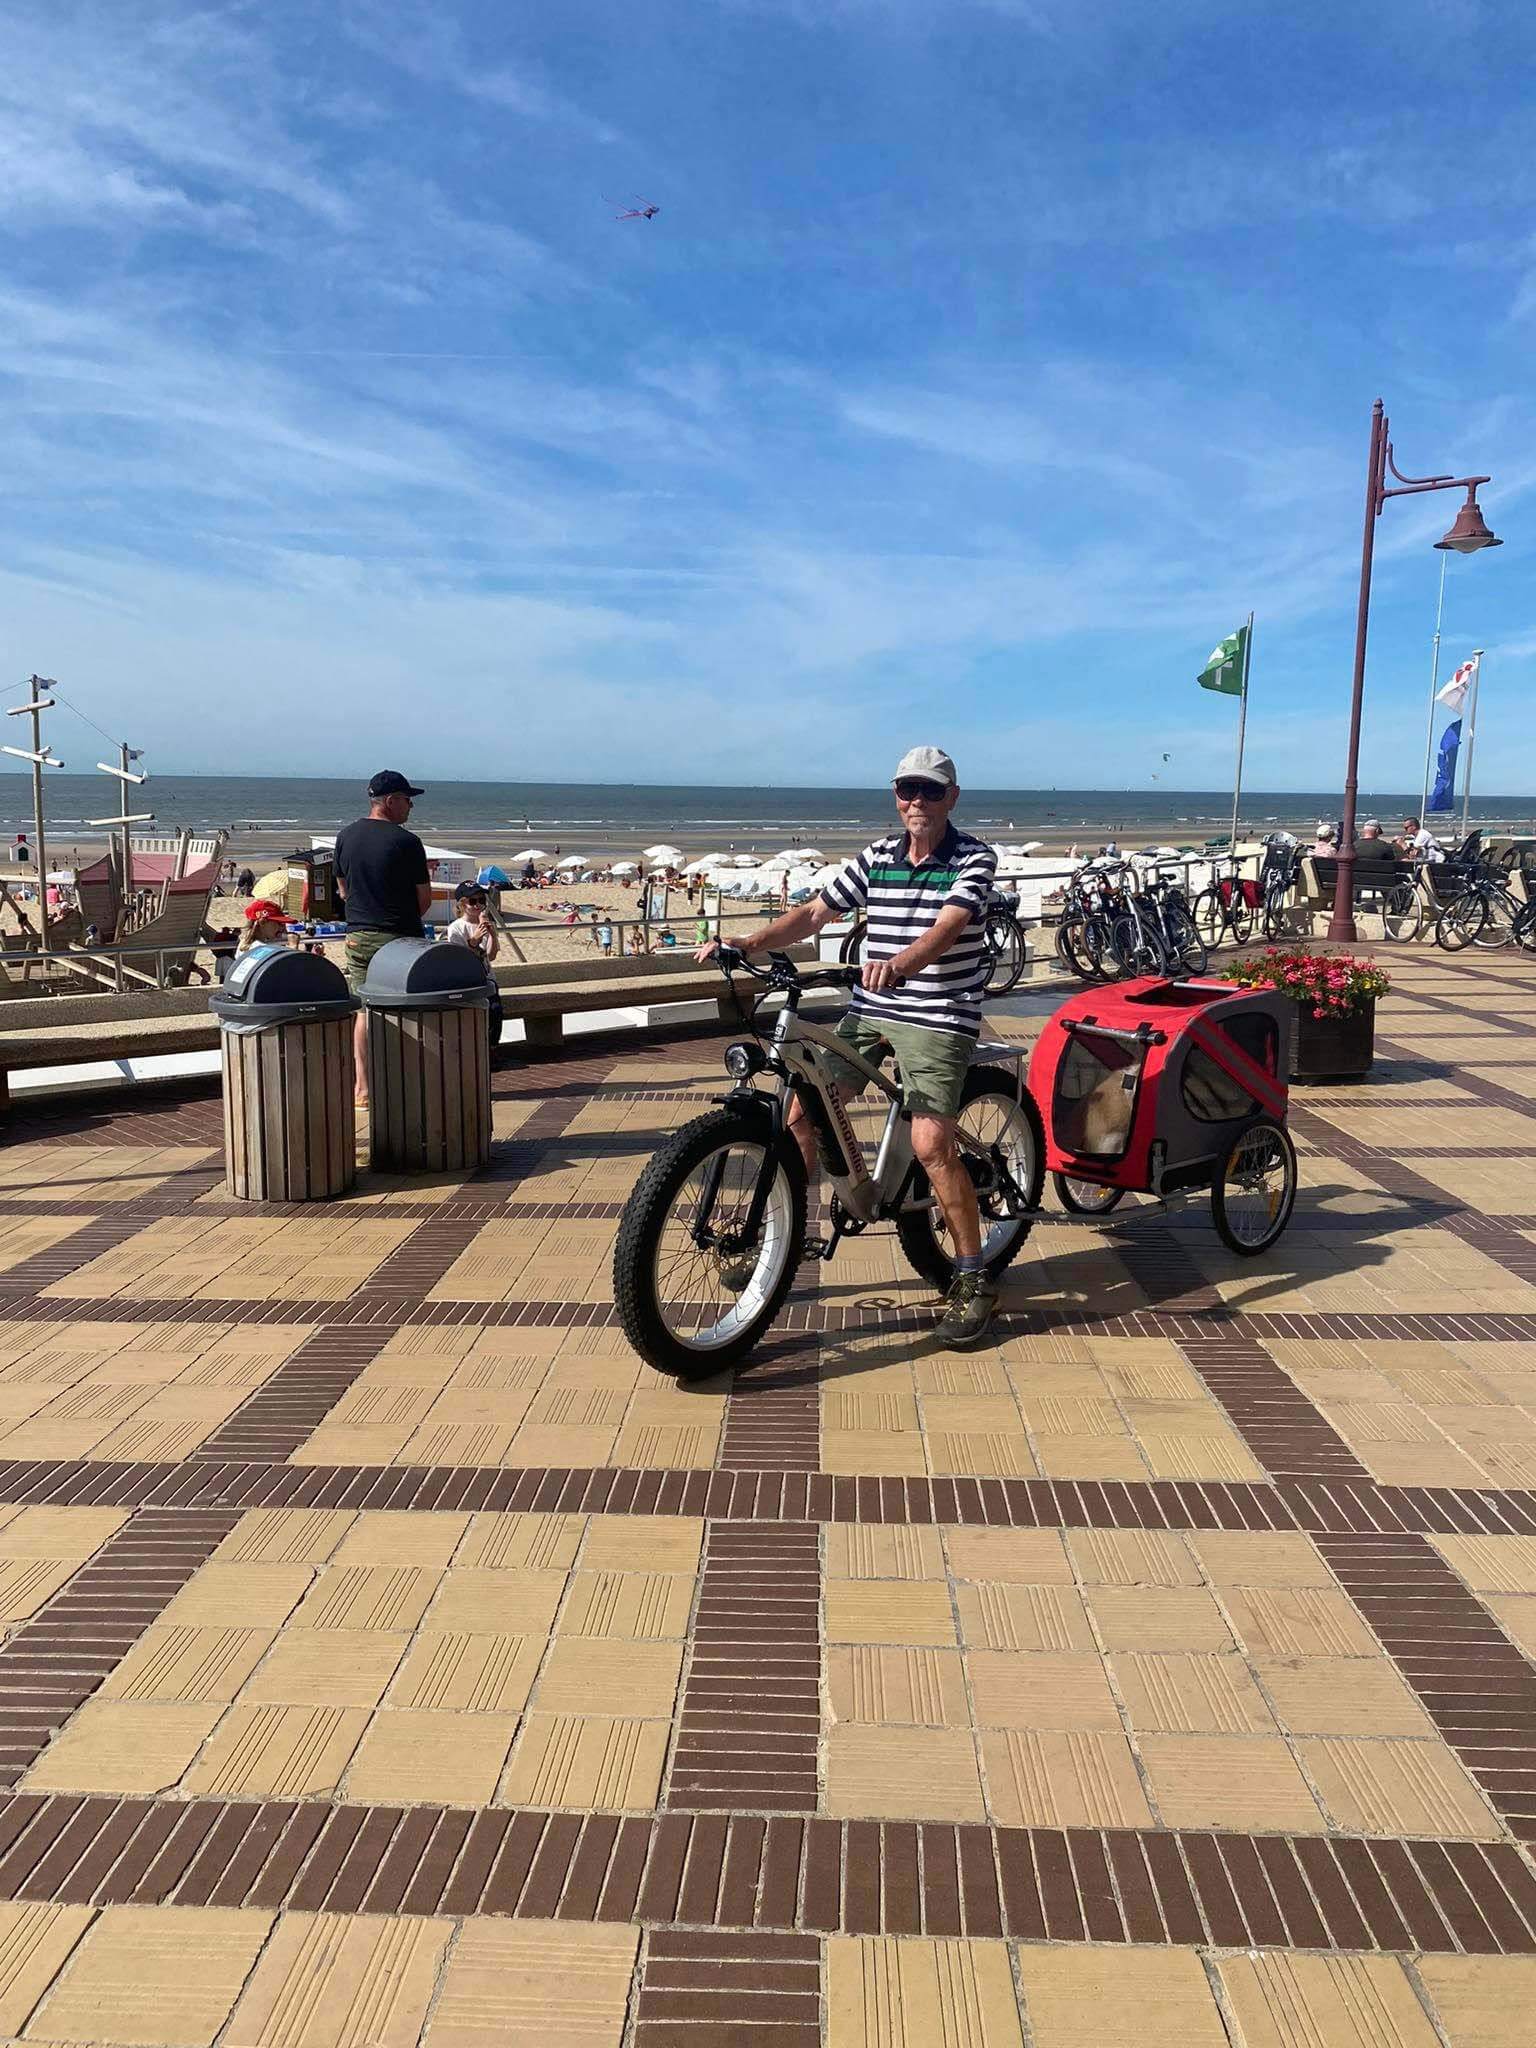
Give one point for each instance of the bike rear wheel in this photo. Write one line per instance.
(692, 1310)
(1402, 914)
(1004, 940)
(1184, 940)
(1460, 922)
(1499, 925)
(1009, 1127)
(1137, 946)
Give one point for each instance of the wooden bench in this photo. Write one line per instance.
(84, 1030)
(1374, 882)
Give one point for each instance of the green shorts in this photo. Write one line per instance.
(933, 1063)
(361, 947)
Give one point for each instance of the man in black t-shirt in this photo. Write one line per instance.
(381, 873)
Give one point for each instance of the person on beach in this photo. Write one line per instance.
(1324, 846)
(385, 886)
(1370, 846)
(923, 892)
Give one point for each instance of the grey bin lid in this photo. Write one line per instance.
(416, 974)
(275, 985)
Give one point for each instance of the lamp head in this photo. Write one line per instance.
(1470, 532)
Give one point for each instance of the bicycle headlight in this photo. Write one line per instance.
(743, 1059)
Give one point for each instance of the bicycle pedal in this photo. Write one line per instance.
(819, 1248)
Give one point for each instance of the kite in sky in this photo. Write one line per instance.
(644, 211)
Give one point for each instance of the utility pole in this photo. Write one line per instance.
(41, 758)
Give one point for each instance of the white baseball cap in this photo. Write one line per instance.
(930, 762)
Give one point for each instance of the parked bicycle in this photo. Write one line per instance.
(716, 1226)
(1485, 912)
(1227, 908)
(1007, 949)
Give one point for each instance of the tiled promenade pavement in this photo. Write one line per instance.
(388, 1657)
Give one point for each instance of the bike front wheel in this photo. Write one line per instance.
(1460, 923)
(1188, 948)
(1010, 1175)
(691, 1309)
(1137, 947)
(1402, 914)
(1005, 953)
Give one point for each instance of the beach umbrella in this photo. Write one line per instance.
(572, 860)
(529, 853)
(663, 856)
(493, 877)
(708, 860)
(739, 860)
(811, 855)
(623, 867)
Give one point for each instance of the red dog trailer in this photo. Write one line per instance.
(1165, 1087)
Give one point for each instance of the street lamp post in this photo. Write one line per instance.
(1467, 535)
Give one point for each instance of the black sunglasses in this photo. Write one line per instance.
(909, 789)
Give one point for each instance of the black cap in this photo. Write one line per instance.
(390, 782)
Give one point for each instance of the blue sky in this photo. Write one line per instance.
(985, 364)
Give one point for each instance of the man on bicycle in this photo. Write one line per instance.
(924, 893)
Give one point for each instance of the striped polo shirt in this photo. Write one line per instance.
(901, 903)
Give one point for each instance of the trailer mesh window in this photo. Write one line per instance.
(1095, 1096)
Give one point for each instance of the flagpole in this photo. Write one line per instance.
(1434, 682)
(1242, 725)
(1466, 784)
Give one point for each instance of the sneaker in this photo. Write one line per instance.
(968, 1312)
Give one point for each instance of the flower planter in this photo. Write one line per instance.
(1332, 1048)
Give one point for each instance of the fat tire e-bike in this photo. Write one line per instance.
(716, 1226)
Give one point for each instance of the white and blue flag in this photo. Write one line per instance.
(1453, 697)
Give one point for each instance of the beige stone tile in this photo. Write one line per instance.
(883, 1993)
(886, 1611)
(1090, 1457)
(330, 1980)
(999, 1616)
(873, 1452)
(1516, 1615)
(1341, 1696)
(875, 1550)
(1396, 1787)
(402, 1539)
(284, 1536)
(277, 1752)
(1035, 1557)
(1284, 1558)
(595, 1761)
(1040, 1689)
(650, 1543)
(527, 1983)
(538, 1543)
(893, 1773)
(889, 1408)
(34, 1942)
(26, 1582)
(1085, 1997)
(641, 1606)
(469, 1674)
(1190, 1693)
(369, 1597)
(606, 1675)
(1062, 1778)
(982, 1453)
(957, 1374)
(1482, 2001)
(1158, 1618)
(896, 1686)
(191, 1664)
(73, 1533)
(162, 1975)
(123, 1746)
(1489, 1564)
(1299, 1621)
(1238, 1782)
(1436, 1464)
(1281, 2000)
(326, 1667)
(413, 1757)
(1132, 1557)
(262, 1595)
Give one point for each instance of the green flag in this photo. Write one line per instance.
(1224, 670)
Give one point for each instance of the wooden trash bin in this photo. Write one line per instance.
(290, 1128)
(429, 1058)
